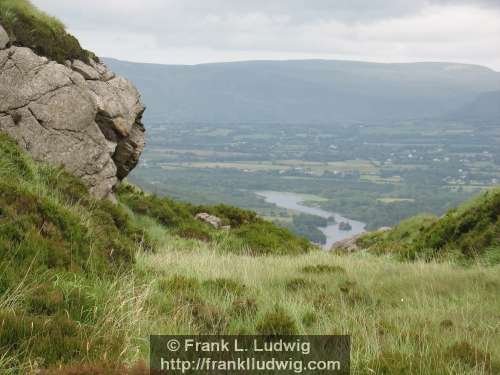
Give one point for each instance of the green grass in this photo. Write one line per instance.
(467, 234)
(83, 284)
(249, 233)
(403, 317)
(30, 27)
(422, 318)
(60, 252)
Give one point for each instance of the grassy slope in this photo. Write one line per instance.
(249, 234)
(468, 233)
(425, 318)
(44, 34)
(61, 252)
(422, 318)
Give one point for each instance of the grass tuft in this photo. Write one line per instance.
(323, 268)
(245, 307)
(298, 284)
(470, 356)
(277, 322)
(30, 27)
(225, 286)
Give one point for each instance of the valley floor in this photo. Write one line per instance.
(404, 318)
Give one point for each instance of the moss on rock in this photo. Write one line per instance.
(30, 27)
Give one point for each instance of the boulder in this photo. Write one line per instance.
(210, 219)
(75, 115)
(349, 245)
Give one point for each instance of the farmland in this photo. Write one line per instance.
(376, 173)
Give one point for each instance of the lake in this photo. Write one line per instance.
(293, 201)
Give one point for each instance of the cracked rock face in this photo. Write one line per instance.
(4, 37)
(78, 116)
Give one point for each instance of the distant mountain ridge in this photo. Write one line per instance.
(305, 91)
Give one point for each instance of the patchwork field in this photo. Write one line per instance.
(374, 173)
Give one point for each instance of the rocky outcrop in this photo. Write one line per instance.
(212, 220)
(348, 245)
(78, 116)
(209, 219)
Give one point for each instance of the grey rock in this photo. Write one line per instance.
(349, 245)
(68, 116)
(103, 71)
(108, 75)
(85, 70)
(4, 38)
(209, 219)
(129, 149)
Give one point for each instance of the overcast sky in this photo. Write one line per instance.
(197, 31)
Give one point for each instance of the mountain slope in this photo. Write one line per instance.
(79, 295)
(58, 248)
(485, 109)
(470, 232)
(62, 251)
(305, 91)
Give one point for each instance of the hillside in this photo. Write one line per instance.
(313, 91)
(484, 109)
(84, 282)
(469, 233)
(61, 251)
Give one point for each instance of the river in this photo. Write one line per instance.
(293, 201)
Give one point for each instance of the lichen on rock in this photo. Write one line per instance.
(77, 115)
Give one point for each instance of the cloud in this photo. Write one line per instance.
(298, 11)
(190, 31)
